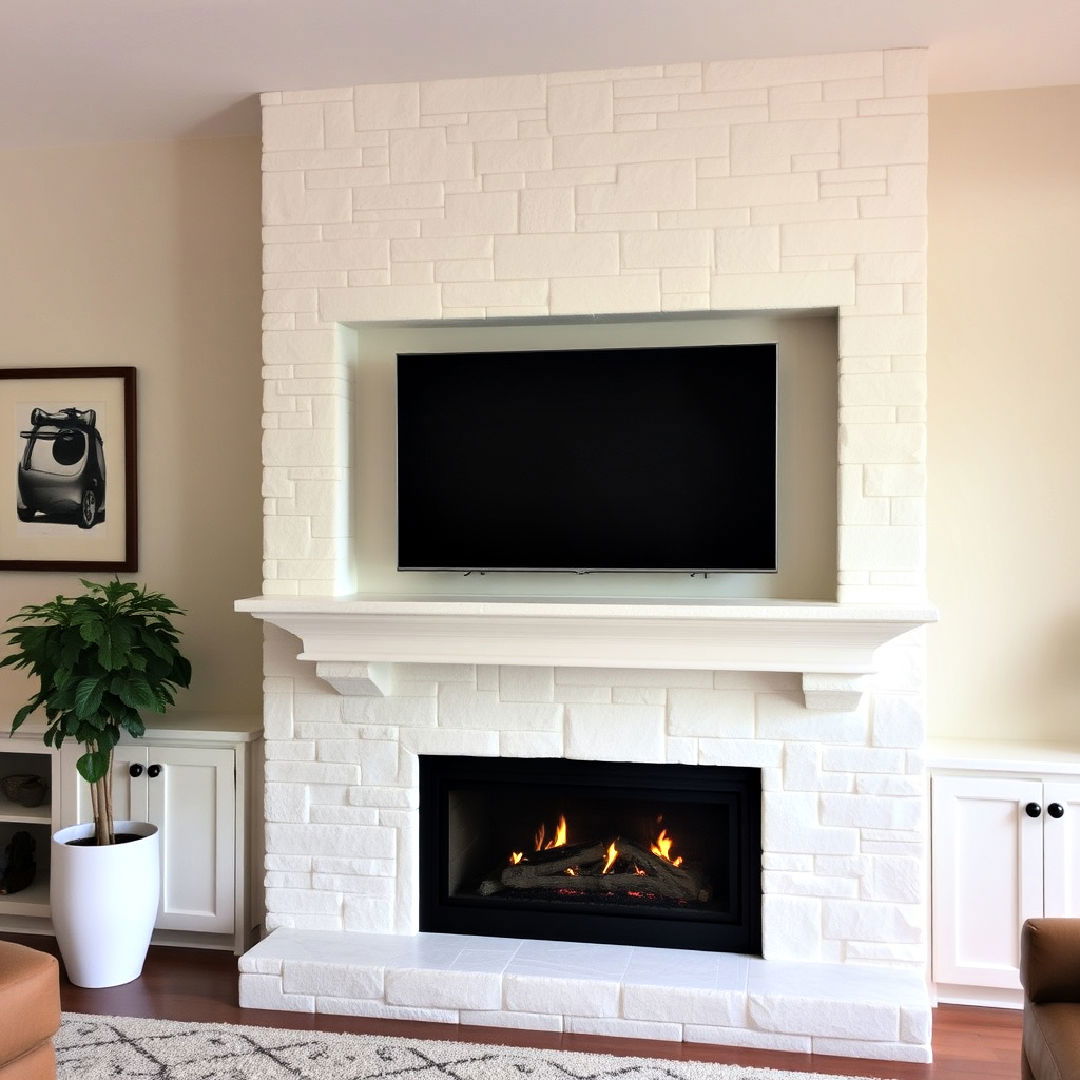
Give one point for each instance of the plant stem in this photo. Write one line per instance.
(108, 800)
(101, 803)
(101, 824)
(94, 808)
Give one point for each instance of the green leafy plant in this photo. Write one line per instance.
(100, 659)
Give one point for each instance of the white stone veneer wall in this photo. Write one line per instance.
(739, 185)
(842, 806)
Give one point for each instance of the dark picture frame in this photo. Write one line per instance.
(95, 481)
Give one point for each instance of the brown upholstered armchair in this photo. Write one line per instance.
(1050, 972)
(29, 1013)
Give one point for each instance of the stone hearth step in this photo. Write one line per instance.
(619, 990)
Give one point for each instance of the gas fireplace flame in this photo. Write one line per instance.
(662, 847)
(558, 841)
(608, 859)
(612, 855)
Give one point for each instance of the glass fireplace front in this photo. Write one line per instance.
(664, 855)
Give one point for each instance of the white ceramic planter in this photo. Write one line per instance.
(104, 903)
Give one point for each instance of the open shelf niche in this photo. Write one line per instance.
(37, 820)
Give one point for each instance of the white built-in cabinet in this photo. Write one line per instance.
(189, 793)
(1005, 847)
(191, 780)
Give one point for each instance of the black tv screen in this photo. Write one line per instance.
(588, 460)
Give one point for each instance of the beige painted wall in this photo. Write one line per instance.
(1004, 371)
(147, 254)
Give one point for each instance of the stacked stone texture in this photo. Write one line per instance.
(842, 808)
(737, 185)
(740, 185)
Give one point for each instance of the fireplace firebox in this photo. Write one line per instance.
(663, 855)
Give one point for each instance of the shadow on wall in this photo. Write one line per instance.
(236, 117)
(1053, 664)
(215, 408)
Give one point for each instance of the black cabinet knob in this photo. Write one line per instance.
(1033, 809)
(154, 771)
(134, 770)
(1055, 809)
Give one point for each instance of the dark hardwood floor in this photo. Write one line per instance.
(193, 984)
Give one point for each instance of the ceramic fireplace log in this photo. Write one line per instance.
(692, 885)
(661, 878)
(552, 863)
(553, 855)
(668, 886)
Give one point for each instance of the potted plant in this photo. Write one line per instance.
(101, 659)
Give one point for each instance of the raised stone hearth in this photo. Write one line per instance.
(698, 188)
(637, 993)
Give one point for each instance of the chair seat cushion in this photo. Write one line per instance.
(29, 999)
(36, 1064)
(1052, 1040)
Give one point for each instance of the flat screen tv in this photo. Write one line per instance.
(588, 460)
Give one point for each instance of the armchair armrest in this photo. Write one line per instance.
(1050, 960)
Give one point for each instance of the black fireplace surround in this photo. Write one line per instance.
(596, 851)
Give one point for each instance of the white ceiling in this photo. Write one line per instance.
(92, 70)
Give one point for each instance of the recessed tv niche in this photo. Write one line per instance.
(588, 460)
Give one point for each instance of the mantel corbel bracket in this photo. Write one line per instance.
(355, 678)
(834, 693)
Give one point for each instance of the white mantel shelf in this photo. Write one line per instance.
(351, 639)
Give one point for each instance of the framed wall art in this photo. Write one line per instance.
(68, 498)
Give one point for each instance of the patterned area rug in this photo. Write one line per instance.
(119, 1048)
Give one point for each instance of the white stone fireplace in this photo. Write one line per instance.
(751, 186)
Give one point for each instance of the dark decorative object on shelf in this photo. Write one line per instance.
(21, 868)
(25, 789)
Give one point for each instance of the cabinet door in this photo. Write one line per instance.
(1061, 850)
(192, 802)
(129, 793)
(987, 874)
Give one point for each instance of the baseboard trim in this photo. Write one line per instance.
(986, 996)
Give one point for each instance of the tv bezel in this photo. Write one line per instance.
(582, 570)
